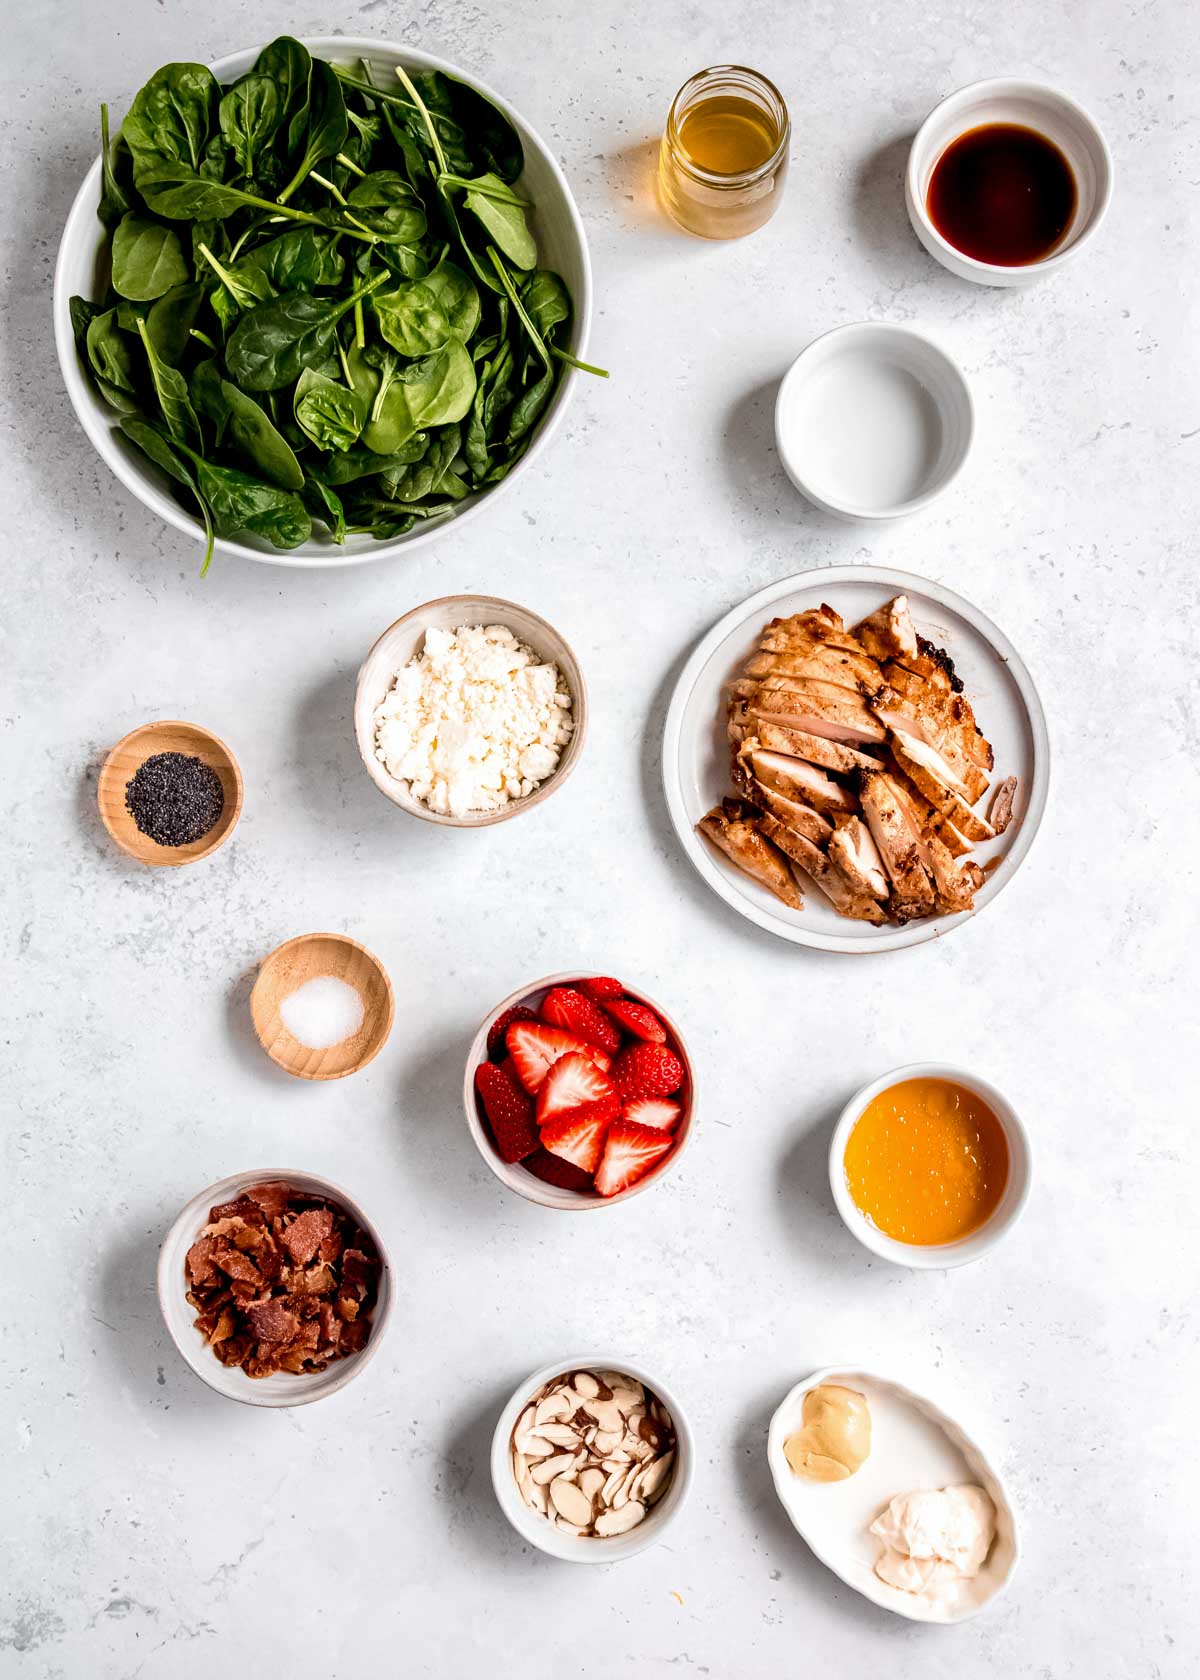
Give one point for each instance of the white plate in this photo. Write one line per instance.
(1001, 692)
(914, 1444)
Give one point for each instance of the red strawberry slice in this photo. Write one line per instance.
(636, 1019)
(509, 1112)
(630, 1151)
(579, 1135)
(652, 1111)
(644, 1070)
(496, 1047)
(574, 1082)
(575, 1013)
(535, 1048)
(601, 986)
(552, 1169)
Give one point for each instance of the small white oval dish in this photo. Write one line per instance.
(914, 1444)
(1001, 690)
(873, 421)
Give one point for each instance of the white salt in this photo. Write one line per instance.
(322, 1012)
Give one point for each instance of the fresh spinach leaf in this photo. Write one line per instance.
(250, 114)
(504, 223)
(330, 414)
(271, 345)
(170, 387)
(252, 434)
(325, 133)
(116, 176)
(147, 258)
(421, 317)
(171, 121)
(143, 436)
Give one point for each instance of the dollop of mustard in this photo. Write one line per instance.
(836, 1435)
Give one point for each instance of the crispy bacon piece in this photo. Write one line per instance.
(282, 1281)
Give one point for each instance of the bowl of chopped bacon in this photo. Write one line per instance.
(274, 1287)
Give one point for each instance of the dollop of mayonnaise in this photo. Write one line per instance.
(836, 1435)
(933, 1538)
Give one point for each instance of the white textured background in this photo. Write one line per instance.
(153, 1529)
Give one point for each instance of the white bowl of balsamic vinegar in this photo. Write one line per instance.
(1007, 181)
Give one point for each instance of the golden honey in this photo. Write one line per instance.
(724, 154)
(927, 1162)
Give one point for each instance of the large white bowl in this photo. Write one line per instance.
(562, 246)
(283, 1388)
(570, 1548)
(696, 748)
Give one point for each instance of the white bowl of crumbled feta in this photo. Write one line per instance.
(470, 709)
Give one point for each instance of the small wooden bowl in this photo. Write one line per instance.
(127, 757)
(313, 956)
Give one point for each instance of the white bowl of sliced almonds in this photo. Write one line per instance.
(592, 1459)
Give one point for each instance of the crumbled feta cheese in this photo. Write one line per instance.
(473, 721)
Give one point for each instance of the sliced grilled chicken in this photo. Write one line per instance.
(813, 710)
(956, 881)
(948, 715)
(731, 829)
(852, 850)
(819, 624)
(900, 845)
(928, 770)
(792, 814)
(922, 733)
(859, 906)
(889, 633)
(797, 779)
(951, 839)
(1001, 809)
(815, 659)
(969, 823)
(797, 743)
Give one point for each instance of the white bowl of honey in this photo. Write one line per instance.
(930, 1166)
(1007, 181)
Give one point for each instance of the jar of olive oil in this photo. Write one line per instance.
(725, 152)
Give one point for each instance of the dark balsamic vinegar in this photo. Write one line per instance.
(1002, 194)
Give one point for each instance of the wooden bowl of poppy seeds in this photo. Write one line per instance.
(170, 793)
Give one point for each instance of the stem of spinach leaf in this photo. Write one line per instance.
(202, 336)
(438, 153)
(328, 185)
(347, 163)
(573, 361)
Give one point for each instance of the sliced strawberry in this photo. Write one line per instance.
(644, 1070)
(552, 1169)
(630, 1151)
(579, 1135)
(573, 1082)
(535, 1048)
(509, 1112)
(652, 1111)
(636, 1019)
(569, 1009)
(600, 986)
(496, 1047)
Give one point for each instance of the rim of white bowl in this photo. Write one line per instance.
(971, 93)
(940, 1256)
(802, 367)
(230, 1382)
(141, 486)
(499, 611)
(537, 1529)
(517, 1178)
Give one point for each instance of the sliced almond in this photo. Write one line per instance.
(628, 1399)
(609, 1490)
(607, 1414)
(551, 1467)
(569, 1528)
(607, 1440)
(654, 1478)
(537, 1498)
(570, 1502)
(621, 1497)
(520, 1464)
(591, 1481)
(620, 1522)
(553, 1406)
(533, 1446)
(525, 1421)
(560, 1433)
(585, 1385)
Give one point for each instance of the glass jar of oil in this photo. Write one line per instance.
(725, 152)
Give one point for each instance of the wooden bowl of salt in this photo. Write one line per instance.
(322, 1006)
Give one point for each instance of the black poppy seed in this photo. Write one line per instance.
(175, 800)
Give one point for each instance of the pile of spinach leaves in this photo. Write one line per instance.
(325, 301)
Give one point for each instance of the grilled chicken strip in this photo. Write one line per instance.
(900, 845)
(791, 813)
(852, 850)
(797, 743)
(928, 770)
(859, 906)
(889, 633)
(923, 736)
(955, 882)
(817, 709)
(816, 659)
(1001, 809)
(731, 829)
(818, 624)
(948, 716)
(796, 779)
